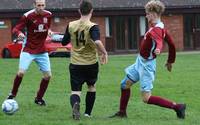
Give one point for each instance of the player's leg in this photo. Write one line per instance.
(131, 77)
(90, 100)
(42, 89)
(75, 103)
(43, 62)
(90, 76)
(24, 62)
(76, 81)
(126, 83)
(146, 85)
(160, 101)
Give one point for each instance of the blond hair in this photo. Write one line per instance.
(155, 6)
(40, 1)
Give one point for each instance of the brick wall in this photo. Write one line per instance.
(101, 22)
(5, 33)
(174, 25)
(61, 25)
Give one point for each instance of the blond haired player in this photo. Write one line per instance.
(143, 70)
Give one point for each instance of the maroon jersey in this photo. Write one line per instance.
(37, 30)
(153, 39)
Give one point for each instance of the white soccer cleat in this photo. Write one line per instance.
(88, 116)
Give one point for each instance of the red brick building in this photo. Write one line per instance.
(122, 22)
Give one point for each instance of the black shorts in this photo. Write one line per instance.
(79, 74)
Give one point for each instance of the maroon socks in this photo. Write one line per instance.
(16, 85)
(156, 100)
(125, 95)
(43, 87)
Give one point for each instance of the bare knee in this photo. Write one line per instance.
(91, 88)
(47, 75)
(21, 73)
(76, 93)
(126, 84)
(146, 96)
(145, 100)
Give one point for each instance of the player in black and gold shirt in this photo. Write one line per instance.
(86, 45)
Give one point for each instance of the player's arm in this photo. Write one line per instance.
(95, 35)
(50, 32)
(17, 30)
(171, 51)
(157, 36)
(67, 38)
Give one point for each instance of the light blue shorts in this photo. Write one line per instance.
(142, 70)
(42, 60)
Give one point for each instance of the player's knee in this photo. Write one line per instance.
(145, 100)
(126, 84)
(145, 97)
(125, 88)
(47, 75)
(21, 73)
(76, 93)
(91, 88)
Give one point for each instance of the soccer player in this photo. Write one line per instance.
(85, 38)
(143, 70)
(37, 22)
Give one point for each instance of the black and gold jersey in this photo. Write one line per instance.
(83, 50)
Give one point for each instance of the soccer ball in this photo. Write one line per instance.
(10, 106)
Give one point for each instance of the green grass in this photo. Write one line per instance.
(181, 85)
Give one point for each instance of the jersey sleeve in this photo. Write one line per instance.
(171, 46)
(21, 24)
(50, 18)
(157, 35)
(95, 33)
(66, 39)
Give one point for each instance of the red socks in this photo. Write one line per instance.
(43, 86)
(125, 95)
(16, 85)
(156, 100)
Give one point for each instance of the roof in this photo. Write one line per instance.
(14, 8)
(9, 5)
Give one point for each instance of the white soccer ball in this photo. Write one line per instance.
(9, 106)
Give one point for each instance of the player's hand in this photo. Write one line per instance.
(21, 36)
(50, 33)
(157, 51)
(169, 66)
(103, 59)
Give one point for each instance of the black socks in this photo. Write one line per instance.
(73, 99)
(89, 100)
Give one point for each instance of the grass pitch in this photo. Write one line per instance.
(181, 85)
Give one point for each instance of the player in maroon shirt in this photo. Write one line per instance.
(143, 70)
(37, 22)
